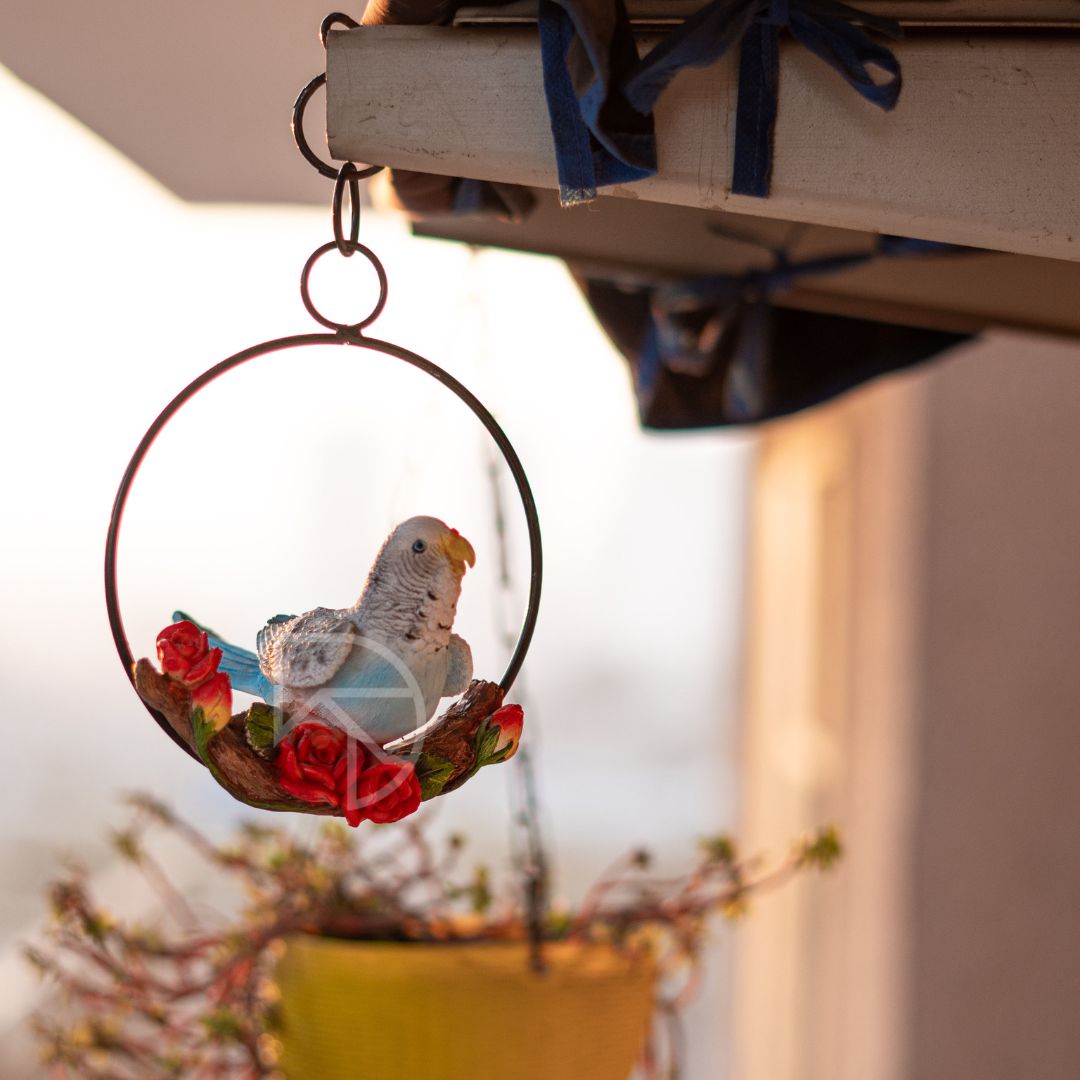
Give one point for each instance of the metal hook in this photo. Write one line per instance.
(331, 20)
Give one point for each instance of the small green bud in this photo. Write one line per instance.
(823, 849)
(719, 849)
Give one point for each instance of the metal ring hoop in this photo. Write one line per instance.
(300, 138)
(347, 174)
(112, 597)
(313, 311)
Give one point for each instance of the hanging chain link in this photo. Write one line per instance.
(347, 177)
(344, 176)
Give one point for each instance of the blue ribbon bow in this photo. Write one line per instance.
(744, 304)
(600, 98)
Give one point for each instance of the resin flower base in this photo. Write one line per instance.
(316, 768)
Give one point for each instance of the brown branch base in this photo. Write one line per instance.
(253, 778)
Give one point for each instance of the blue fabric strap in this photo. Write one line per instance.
(587, 48)
(698, 42)
(600, 95)
(755, 114)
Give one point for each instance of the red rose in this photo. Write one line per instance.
(384, 792)
(312, 759)
(510, 719)
(185, 655)
(323, 766)
(185, 639)
(202, 669)
(214, 697)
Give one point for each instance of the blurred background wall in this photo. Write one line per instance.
(912, 674)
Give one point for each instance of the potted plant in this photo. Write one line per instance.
(379, 954)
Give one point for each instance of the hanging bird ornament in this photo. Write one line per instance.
(346, 693)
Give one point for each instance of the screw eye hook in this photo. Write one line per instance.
(331, 21)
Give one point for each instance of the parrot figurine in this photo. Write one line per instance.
(382, 665)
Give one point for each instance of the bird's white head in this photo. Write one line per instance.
(417, 578)
(424, 546)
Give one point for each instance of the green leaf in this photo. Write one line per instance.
(203, 731)
(559, 923)
(487, 737)
(719, 849)
(261, 727)
(479, 890)
(484, 742)
(127, 845)
(433, 773)
(223, 1024)
(497, 758)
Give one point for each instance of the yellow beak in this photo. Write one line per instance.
(458, 549)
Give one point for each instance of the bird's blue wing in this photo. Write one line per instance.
(459, 670)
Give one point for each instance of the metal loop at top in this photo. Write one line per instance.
(528, 503)
(300, 105)
(347, 175)
(331, 20)
(305, 293)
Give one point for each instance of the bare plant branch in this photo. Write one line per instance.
(192, 1001)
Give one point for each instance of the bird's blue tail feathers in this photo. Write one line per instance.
(241, 665)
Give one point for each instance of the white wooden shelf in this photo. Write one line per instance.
(983, 149)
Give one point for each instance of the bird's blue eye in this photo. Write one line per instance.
(419, 546)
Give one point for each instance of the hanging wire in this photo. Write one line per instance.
(526, 839)
(532, 855)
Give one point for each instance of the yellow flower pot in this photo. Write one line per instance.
(420, 1011)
